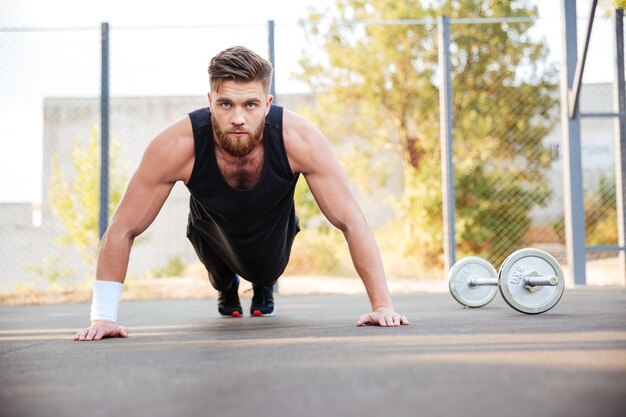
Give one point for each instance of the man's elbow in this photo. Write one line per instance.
(351, 222)
(117, 231)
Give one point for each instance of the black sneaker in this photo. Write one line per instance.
(262, 300)
(228, 301)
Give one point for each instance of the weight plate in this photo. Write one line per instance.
(466, 269)
(525, 262)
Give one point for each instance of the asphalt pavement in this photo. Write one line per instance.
(181, 359)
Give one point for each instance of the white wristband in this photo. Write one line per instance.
(106, 300)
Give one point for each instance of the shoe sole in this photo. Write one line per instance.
(235, 314)
(257, 313)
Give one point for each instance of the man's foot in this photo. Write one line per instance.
(228, 302)
(262, 300)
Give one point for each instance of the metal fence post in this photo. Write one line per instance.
(620, 138)
(572, 159)
(270, 42)
(445, 121)
(104, 130)
(270, 48)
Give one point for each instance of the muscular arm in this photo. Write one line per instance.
(169, 158)
(310, 154)
(139, 207)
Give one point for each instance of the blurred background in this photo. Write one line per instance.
(365, 71)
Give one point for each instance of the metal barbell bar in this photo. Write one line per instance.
(529, 280)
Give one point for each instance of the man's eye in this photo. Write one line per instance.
(251, 105)
(225, 105)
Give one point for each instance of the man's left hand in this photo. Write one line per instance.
(384, 317)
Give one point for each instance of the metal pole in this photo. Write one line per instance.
(445, 121)
(270, 47)
(572, 162)
(270, 41)
(104, 131)
(580, 65)
(620, 137)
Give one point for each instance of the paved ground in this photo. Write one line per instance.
(309, 360)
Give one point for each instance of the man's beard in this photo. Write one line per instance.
(241, 146)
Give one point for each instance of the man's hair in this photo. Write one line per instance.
(239, 64)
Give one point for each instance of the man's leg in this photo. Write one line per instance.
(263, 298)
(223, 279)
(263, 287)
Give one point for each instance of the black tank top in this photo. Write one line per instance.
(251, 230)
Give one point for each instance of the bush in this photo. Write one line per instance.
(600, 215)
(317, 252)
(173, 268)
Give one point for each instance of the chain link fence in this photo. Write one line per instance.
(507, 135)
(506, 108)
(50, 117)
(507, 143)
(37, 65)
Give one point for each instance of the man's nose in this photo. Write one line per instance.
(238, 118)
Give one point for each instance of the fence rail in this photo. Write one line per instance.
(507, 141)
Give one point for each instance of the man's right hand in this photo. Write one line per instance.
(101, 329)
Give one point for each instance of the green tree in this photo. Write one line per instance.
(75, 196)
(379, 82)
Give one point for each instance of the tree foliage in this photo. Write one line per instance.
(600, 214)
(379, 81)
(74, 195)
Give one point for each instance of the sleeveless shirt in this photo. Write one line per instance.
(251, 230)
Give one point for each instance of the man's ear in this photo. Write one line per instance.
(270, 98)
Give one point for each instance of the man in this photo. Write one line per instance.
(240, 159)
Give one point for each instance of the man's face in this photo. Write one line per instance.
(238, 113)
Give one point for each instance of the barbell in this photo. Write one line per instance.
(530, 280)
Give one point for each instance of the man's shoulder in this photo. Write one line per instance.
(297, 127)
(173, 150)
(302, 140)
(176, 138)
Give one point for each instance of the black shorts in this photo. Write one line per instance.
(220, 261)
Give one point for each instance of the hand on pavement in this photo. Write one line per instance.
(101, 329)
(384, 317)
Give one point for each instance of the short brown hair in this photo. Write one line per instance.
(239, 64)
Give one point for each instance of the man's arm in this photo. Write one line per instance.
(310, 154)
(167, 159)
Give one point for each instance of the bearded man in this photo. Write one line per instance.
(240, 158)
